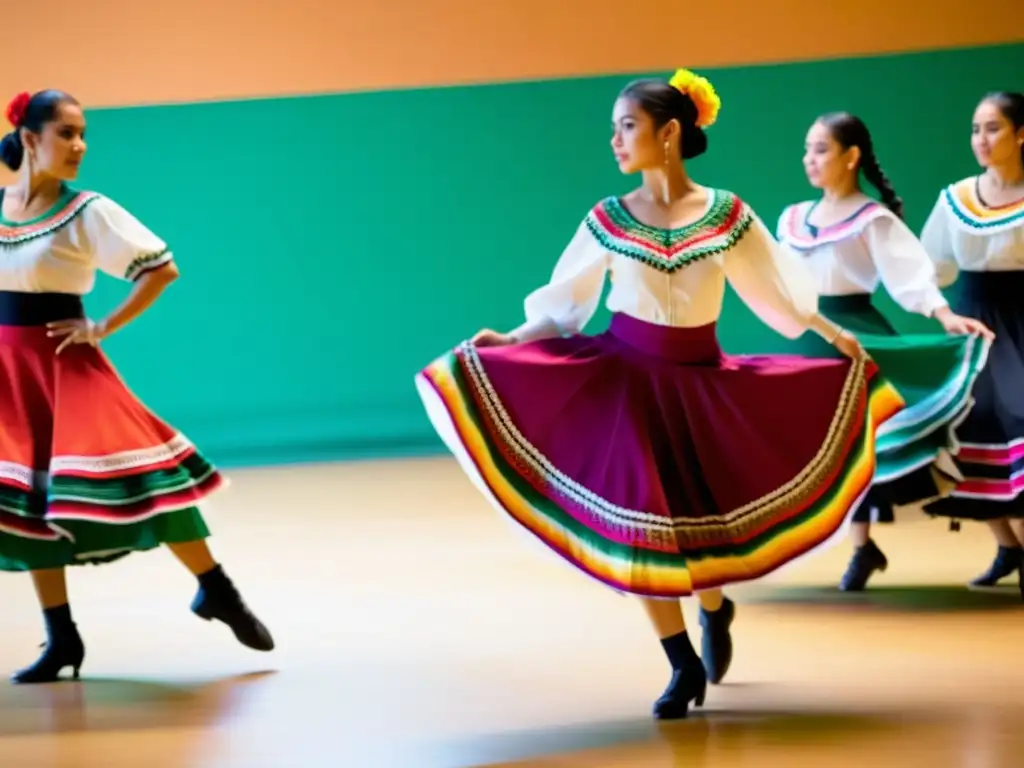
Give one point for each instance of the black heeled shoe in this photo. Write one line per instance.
(688, 684)
(219, 599)
(64, 650)
(716, 640)
(1006, 563)
(865, 561)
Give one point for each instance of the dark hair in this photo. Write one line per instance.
(850, 131)
(41, 109)
(1011, 105)
(665, 103)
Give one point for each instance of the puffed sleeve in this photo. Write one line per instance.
(571, 297)
(904, 266)
(776, 285)
(120, 244)
(936, 237)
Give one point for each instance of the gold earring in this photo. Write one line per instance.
(664, 184)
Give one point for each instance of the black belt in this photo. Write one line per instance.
(18, 308)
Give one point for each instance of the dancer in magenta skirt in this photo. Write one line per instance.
(645, 456)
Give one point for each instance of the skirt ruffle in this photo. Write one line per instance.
(655, 463)
(991, 455)
(87, 473)
(90, 543)
(935, 375)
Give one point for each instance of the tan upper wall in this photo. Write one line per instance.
(130, 52)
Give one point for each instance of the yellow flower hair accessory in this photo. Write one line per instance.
(701, 92)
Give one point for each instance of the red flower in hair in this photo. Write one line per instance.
(16, 109)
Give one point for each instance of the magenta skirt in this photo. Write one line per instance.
(654, 462)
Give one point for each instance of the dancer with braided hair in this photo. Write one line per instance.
(852, 244)
(644, 455)
(87, 473)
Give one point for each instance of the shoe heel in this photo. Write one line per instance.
(698, 700)
(76, 665)
(48, 667)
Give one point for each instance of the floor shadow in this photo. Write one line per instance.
(688, 740)
(119, 704)
(920, 599)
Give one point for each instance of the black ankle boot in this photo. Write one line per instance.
(1006, 563)
(865, 561)
(63, 648)
(219, 599)
(716, 643)
(689, 681)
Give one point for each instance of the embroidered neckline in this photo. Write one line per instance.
(721, 226)
(66, 194)
(961, 199)
(798, 232)
(70, 204)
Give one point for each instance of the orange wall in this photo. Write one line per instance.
(129, 52)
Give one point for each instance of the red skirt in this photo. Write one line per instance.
(655, 463)
(77, 447)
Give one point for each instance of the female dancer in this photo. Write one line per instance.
(976, 229)
(645, 456)
(851, 244)
(87, 474)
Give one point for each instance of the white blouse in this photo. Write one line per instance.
(675, 277)
(964, 233)
(872, 246)
(60, 251)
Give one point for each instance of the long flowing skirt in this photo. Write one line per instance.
(991, 457)
(935, 375)
(655, 463)
(87, 473)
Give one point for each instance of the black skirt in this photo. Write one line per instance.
(991, 455)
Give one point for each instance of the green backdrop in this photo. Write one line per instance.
(331, 246)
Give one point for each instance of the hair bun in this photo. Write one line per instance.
(11, 150)
(701, 93)
(16, 108)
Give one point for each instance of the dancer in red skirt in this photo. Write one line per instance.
(87, 473)
(645, 456)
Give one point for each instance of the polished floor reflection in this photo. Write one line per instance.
(416, 629)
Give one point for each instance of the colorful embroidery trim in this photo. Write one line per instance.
(60, 216)
(800, 234)
(971, 214)
(726, 221)
(147, 263)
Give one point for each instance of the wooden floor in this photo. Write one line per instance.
(417, 629)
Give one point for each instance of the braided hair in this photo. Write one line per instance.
(850, 131)
(1011, 105)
